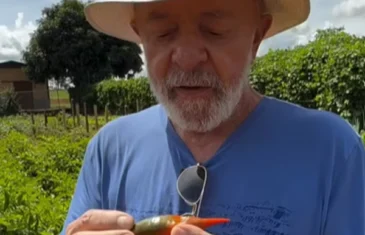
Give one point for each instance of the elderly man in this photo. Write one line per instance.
(214, 147)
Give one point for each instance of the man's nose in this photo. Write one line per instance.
(189, 55)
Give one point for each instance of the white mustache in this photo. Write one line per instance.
(178, 78)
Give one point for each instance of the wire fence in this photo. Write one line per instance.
(79, 117)
(58, 103)
(43, 108)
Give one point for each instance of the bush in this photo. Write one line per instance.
(38, 176)
(121, 96)
(327, 73)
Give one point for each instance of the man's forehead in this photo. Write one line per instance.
(158, 14)
(193, 9)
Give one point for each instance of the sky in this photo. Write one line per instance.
(19, 18)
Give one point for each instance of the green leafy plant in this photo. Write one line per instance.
(122, 96)
(327, 73)
(38, 175)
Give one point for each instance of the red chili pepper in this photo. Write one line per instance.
(162, 225)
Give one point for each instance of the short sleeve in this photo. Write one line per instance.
(346, 209)
(87, 193)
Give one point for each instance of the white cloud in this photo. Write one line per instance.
(15, 39)
(349, 8)
(349, 14)
(305, 33)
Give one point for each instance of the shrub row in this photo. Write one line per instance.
(119, 96)
(327, 73)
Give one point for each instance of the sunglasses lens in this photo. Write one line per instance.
(191, 183)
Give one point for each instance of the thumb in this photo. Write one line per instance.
(187, 229)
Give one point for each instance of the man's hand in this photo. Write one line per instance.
(187, 229)
(101, 222)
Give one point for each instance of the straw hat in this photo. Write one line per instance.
(113, 17)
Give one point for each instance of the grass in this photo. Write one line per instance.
(59, 99)
(62, 94)
(55, 124)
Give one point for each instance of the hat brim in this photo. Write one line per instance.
(113, 17)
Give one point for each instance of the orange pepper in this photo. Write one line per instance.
(162, 225)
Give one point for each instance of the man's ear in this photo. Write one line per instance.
(262, 28)
(133, 22)
(134, 27)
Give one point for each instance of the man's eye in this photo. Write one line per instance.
(164, 35)
(215, 33)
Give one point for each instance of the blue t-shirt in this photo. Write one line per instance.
(286, 170)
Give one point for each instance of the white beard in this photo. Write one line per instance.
(201, 115)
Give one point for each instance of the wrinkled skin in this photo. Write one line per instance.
(198, 56)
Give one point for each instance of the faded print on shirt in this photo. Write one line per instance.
(259, 218)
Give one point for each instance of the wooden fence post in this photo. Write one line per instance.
(33, 123)
(96, 117)
(106, 114)
(64, 117)
(86, 118)
(45, 119)
(73, 112)
(78, 113)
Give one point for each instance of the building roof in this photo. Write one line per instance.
(11, 64)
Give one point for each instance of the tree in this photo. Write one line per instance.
(66, 46)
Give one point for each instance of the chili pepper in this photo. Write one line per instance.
(162, 225)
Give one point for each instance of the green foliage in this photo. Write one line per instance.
(38, 176)
(39, 172)
(122, 96)
(66, 46)
(327, 73)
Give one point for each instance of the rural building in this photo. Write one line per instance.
(30, 95)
